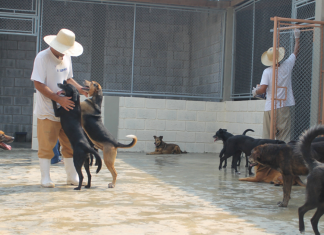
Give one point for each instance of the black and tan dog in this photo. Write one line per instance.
(93, 125)
(163, 148)
(5, 140)
(315, 179)
(71, 124)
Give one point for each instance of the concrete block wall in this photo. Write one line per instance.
(190, 124)
(206, 54)
(34, 135)
(17, 54)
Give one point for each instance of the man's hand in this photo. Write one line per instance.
(66, 103)
(297, 33)
(82, 92)
(254, 91)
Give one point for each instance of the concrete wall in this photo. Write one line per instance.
(17, 55)
(190, 124)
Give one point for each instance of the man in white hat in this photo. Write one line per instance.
(51, 66)
(284, 80)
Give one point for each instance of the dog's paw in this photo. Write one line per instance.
(87, 186)
(110, 185)
(77, 188)
(281, 204)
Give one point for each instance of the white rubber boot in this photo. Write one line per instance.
(44, 165)
(72, 175)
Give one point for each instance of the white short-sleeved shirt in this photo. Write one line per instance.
(49, 70)
(284, 80)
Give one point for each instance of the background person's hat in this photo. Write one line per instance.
(64, 42)
(267, 57)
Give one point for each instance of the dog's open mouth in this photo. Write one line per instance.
(252, 164)
(61, 92)
(215, 138)
(85, 88)
(5, 146)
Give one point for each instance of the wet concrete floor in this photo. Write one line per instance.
(164, 194)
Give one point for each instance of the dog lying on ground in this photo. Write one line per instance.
(163, 148)
(96, 131)
(71, 124)
(223, 135)
(315, 179)
(5, 140)
(241, 143)
(268, 175)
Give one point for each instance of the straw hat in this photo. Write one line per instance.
(267, 57)
(64, 42)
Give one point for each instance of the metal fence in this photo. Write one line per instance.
(307, 79)
(253, 36)
(143, 50)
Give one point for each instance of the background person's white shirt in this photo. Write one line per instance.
(49, 70)
(284, 79)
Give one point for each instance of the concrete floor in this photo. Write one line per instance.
(165, 194)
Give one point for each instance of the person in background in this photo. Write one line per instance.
(283, 121)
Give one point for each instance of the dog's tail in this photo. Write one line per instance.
(247, 130)
(127, 146)
(98, 159)
(305, 141)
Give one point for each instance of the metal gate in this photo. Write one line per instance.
(307, 78)
(143, 50)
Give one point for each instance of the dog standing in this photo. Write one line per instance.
(93, 125)
(315, 179)
(163, 148)
(224, 135)
(71, 124)
(5, 140)
(241, 143)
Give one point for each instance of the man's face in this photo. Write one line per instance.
(57, 54)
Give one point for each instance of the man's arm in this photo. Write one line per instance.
(65, 102)
(78, 87)
(297, 34)
(262, 89)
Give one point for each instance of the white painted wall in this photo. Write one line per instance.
(190, 124)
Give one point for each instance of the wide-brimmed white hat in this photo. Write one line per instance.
(267, 57)
(64, 42)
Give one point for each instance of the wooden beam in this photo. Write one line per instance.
(236, 2)
(187, 3)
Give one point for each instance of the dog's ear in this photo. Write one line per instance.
(224, 130)
(64, 82)
(161, 137)
(154, 136)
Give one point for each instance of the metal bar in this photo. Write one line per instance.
(244, 5)
(253, 30)
(144, 5)
(133, 53)
(223, 52)
(297, 20)
(275, 25)
(233, 54)
(296, 27)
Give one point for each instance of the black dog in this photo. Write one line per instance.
(241, 143)
(71, 124)
(315, 179)
(224, 135)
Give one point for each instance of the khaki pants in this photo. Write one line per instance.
(47, 134)
(283, 124)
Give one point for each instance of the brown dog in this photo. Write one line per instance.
(281, 157)
(96, 131)
(268, 175)
(163, 148)
(5, 140)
